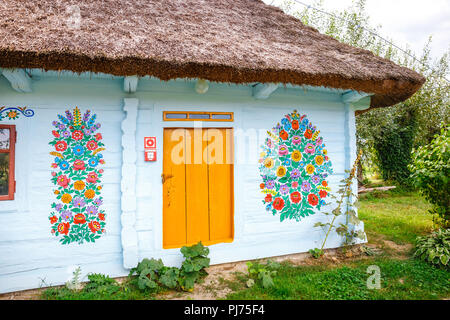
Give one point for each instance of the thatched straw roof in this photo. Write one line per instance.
(238, 41)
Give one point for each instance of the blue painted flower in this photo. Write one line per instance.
(78, 150)
(303, 127)
(287, 162)
(269, 207)
(286, 124)
(301, 164)
(305, 121)
(57, 160)
(64, 165)
(99, 156)
(93, 162)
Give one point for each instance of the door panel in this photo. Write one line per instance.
(197, 209)
(174, 200)
(220, 184)
(198, 189)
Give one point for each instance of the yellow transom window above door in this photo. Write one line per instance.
(197, 116)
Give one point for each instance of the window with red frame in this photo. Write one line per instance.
(7, 149)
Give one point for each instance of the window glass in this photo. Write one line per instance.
(176, 116)
(4, 174)
(4, 138)
(198, 116)
(225, 116)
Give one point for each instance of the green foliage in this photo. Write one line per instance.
(393, 146)
(316, 253)
(431, 172)
(429, 105)
(75, 282)
(152, 274)
(348, 231)
(263, 273)
(434, 248)
(410, 279)
(193, 266)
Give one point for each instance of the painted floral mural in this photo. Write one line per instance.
(15, 113)
(294, 165)
(77, 213)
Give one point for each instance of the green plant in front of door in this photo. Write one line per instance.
(153, 274)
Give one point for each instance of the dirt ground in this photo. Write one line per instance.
(215, 286)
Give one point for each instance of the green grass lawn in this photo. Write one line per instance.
(394, 216)
(397, 216)
(407, 279)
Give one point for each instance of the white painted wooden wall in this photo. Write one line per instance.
(30, 256)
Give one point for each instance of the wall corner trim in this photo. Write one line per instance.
(130, 84)
(262, 91)
(19, 79)
(128, 184)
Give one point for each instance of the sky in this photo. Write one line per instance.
(407, 22)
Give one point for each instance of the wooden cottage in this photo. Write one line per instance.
(131, 129)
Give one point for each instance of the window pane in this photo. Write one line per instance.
(176, 116)
(4, 138)
(198, 116)
(4, 174)
(221, 116)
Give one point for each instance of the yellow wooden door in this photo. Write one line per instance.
(197, 186)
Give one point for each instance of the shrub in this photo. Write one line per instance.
(393, 151)
(264, 273)
(152, 274)
(434, 248)
(430, 174)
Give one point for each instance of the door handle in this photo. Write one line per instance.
(165, 177)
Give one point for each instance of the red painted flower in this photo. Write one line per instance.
(92, 145)
(308, 134)
(92, 177)
(278, 204)
(55, 134)
(61, 146)
(262, 185)
(324, 183)
(53, 219)
(296, 197)
(63, 181)
(313, 199)
(77, 135)
(63, 228)
(268, 198)
(284, 135)
(79, 219)
(323, 193)
(101, 216)
(78, 165)
(94, 226)
(98, 136)
(295, 125)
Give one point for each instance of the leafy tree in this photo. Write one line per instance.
(431, 172)
(428, 107)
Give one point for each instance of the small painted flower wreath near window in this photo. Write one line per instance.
(76, 215)
(294, 166)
